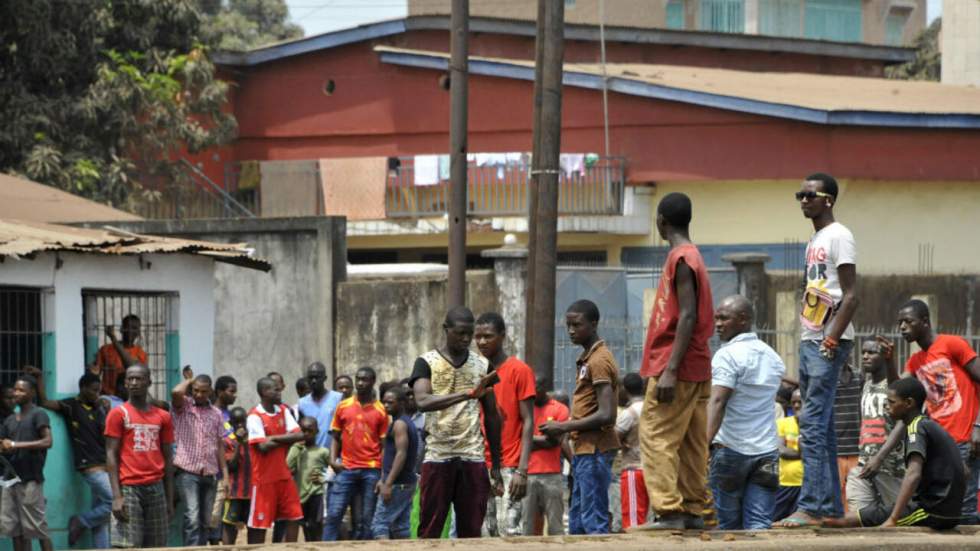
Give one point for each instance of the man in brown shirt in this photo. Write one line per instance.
(592, 427)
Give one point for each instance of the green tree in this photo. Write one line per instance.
(927, 64)
(245, 24)
(100, 97)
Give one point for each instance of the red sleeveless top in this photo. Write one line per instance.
(696, 365)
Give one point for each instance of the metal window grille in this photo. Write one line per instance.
(158, 329)
(21, 330)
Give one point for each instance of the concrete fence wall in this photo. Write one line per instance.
(387, 322)
(277, 321)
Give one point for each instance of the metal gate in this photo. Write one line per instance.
(618, 292)
(159, 335)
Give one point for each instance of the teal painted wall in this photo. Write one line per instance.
(65, 490)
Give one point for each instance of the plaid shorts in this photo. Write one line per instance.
(146, 511)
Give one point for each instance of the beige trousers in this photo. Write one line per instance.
(674, 447)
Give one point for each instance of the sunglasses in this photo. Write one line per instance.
(810, 195)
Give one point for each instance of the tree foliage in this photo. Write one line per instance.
(101, 96)
(927, 64)
(245, 24)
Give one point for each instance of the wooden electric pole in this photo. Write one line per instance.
(546, 172)
(458, 91)
(532, 209)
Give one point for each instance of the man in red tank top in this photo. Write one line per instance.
(674, 423)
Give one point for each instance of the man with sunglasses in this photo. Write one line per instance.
(829, 303)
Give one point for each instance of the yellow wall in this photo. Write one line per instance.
(895, 223)
(890, 220)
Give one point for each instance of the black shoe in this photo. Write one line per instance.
(75, 530)
(693, 522)
(666, 522)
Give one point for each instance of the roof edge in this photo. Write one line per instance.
(669, 37)
(496, 68)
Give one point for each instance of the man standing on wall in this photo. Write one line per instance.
(514, 395)
(674, 425)
(829, 303)
(451, 384)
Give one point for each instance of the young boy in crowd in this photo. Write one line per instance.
(545, 484)
(271, 431)
(25, 438)
(397, 484)
(239, 486)
(790, 460)
(876, 425)
(633, 491)
(932, 488)
(594, 440)
(308, 462)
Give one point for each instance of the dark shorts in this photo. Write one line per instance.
(913, 515)
(462, 485)
(236, 511)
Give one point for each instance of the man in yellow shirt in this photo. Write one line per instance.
(790, 461)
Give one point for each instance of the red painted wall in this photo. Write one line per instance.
(385, 110)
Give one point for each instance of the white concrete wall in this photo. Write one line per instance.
(960, 42)
(191, 277)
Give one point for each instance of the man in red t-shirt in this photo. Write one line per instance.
(674, 427)
(112, 359)
(514, 395)
(545, 483)
(947, 367)
(138, 456)
(359, 425)
(271, 431)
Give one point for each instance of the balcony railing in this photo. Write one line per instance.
(593, 188)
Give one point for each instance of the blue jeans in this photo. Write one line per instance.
(392, 520)
(744, 488)
(96, 519)
(970, 497)
(588, 512)
(197, 493)
(342, 490)
(820, 493)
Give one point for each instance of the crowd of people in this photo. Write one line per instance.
(472, 443)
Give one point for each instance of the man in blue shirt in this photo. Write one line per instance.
(744, 465)
(320, 403)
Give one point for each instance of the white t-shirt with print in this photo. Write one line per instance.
(828, 249)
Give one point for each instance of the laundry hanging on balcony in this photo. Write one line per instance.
(426, 170)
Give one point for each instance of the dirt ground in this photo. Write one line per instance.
(912, 539)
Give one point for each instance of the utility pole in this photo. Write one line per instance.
(548, 144)
(458, 91)
(532, 192)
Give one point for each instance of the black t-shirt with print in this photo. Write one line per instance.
(28, 464)
(86, 425)
(940, 491)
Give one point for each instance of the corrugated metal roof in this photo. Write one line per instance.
(821, 99)
(19, 238)
(27, 200)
